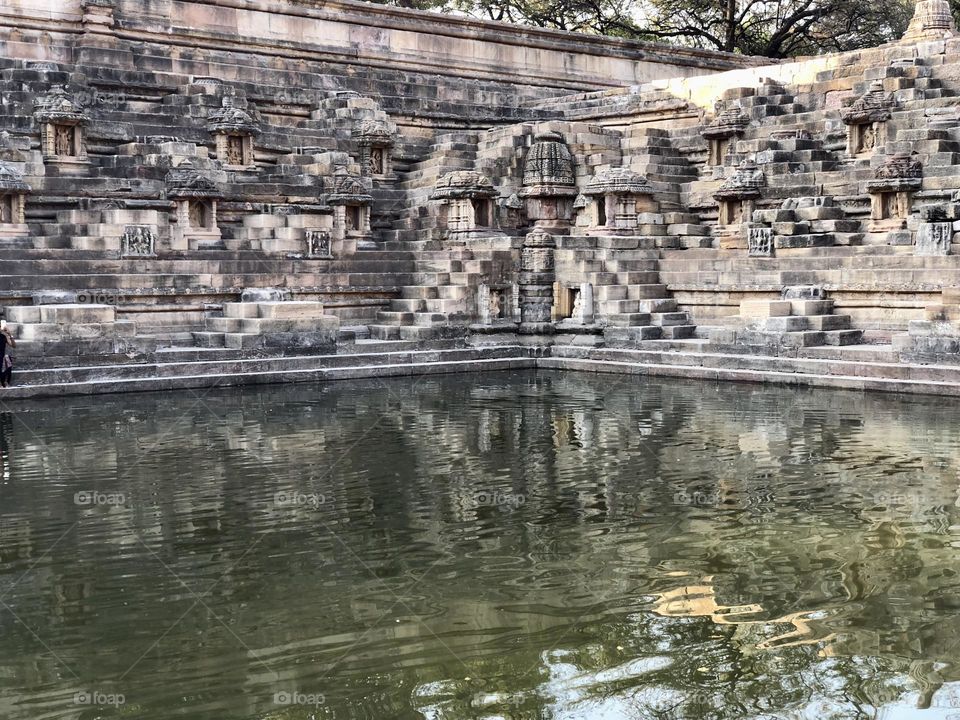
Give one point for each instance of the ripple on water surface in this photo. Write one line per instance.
(491, 546)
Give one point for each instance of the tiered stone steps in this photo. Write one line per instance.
(215, 368)
(449, 152)
(790, 324)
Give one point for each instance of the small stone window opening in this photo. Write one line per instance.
(567, 301)
(8, 209)
(862, 138)
(377, 164)
(66, 139)
(200, 215)
(718, 150)
(235, 150)
(481, 213)
(498, 304)
(601, 207)
(731, 212)
(352, 218)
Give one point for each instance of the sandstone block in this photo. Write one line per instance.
(77, 313)
(240, 310)
(292, 309)
(764, 308)
(22, 313)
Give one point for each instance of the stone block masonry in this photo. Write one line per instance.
(225, 191)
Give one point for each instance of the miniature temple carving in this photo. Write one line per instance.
(375, 138)
(195, 196)
(351, 202)
(613, 199)
(61, 118)
(737, 194)
(891, 192)
(728, 125)
(234, 130)
(866, 119)
(549, 183)
(13, 199)
(466, 202)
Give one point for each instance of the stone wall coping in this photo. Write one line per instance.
(357, 12)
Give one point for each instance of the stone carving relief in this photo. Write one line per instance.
(319, 244)
(138, 241)
(760, 242)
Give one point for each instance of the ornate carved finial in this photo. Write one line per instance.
(348, 189)
(618, 181)
(932, 20)
(185, 181)
(463, 184)
(727, 124)
(231, 119)
(745, 183)
(548, 167)
(899, 173)
(873, 106)
(11, 179)
(59, 106)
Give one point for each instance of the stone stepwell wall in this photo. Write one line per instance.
(271, 37)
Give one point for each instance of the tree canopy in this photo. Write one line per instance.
(771, 28)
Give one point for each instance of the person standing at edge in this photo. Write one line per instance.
(6, 361)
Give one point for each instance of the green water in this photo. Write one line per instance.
(522, 546)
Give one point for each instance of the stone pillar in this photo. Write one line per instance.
(536, 283)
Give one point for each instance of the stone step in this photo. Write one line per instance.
(678, 332)
(829, 322)
(843, 337)
(669, 318)
(636, 319)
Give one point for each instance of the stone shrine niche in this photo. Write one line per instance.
(138, 241)
(736, 196)
(728, 125)
(234, 129)
(891, 192)
(494, 303)
(612, 200)
(61, 118)
(866, 120)
(195, 197)
(760, 242)
(351, 201)
(13, 200)
(319, 244)
(549, 183)
(466, 202)
(375, 138)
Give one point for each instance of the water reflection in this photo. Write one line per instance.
(500, 546)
